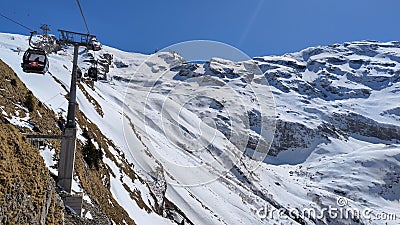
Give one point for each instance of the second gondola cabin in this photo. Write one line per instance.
(35, 61)
(92, 73)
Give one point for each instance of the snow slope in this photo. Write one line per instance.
(198, 134)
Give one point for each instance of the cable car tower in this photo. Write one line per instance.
(68, 141)
(45, 28)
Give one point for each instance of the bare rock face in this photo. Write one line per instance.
(353, 123)
(293, 135)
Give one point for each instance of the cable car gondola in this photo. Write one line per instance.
(35, 59)
(93, 73)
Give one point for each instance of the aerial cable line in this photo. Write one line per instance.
(16, 22)
(87, 28)
(83, 17)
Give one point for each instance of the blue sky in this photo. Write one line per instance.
(257, 27)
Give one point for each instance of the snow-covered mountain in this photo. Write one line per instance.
(223, 142)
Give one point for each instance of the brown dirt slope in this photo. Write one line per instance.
(27, 194)
(26, 188)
